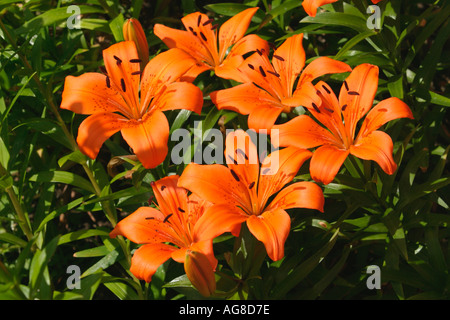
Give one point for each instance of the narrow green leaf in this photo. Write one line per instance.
(63, 177)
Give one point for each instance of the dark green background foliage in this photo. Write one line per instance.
(57, 206)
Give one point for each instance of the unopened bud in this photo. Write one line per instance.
(132, 31)
(200, 272)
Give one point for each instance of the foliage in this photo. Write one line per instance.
(57, 206)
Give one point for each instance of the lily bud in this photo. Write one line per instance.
(132, 31)
(200, 272)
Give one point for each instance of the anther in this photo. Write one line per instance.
(122, 83)
(162, 188)
(213, 27)
(273, 73)
(346, 85)
(251, 185)
(118, 60)
(233, 160)
(167, 218)
(278, 57)
(199, 20)
(326, 89)
(242, 153)
(203, 36)
(251, 66)
(344, 107)
(207, 22)
(135, 60)
(353, 93)
(315, 107)
(259, 52)
(181, 210)
(149, 218)
(262, 71)
(235, 176)
(136, 73)
(108, 82)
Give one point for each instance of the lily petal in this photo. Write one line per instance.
(271, 228)
(89, 93)
(303, 194)
(385, 111)
(148, 138)
(321, 66)
(311, 6)
(376, 146)
(301, 132)
(326, 162)
(169, 196)
(263, 118)
(148, 258)
(180, 95)
(96, 129)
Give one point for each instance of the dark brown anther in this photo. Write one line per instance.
(273, 73)
(278, 57)
(207, 22)
(167, 218)
(108, 82)
(136, 73)
(149, 218)
(346, 85)
(213, 27)
(262, 71)
(235, 176)
(326, 89)
(315, 107)
(162, 188)
(135, 60)
(203, 36)
(251, 66)
(259, 52)
(328, 109)
(181, 210)
(122, 83)
(251, 185)
(232, 160)
(118, 60)
(353, 93)
(103, 70)
(344, 107)
(242, 153)
(191, 29)
(199, 20)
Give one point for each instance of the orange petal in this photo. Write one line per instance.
(169, 196)
(385, 111)
(123, 72)
(263, 118)
(243, 98)
(326, 162)
(249, 43)
(218, 219)
(271, 228)
(229, 68)
(311, 6)
(376, 1)
(148, 138)
(358, 93)
(132, 31)
(214, 183)
(305, 95)
(204, 247)
(376, 146)
(321, 66)
(143, 226)
(148, 258)
(290, 61)
(180, 95)
(301, 132)
(234, 29)
(303, 194)
(96, 129)
(165, 68)
(89, 94)
(278, 169)
(241, 156)
(184, 40)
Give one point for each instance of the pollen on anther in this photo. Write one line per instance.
(251, 66)
(278, 57)
(251, 185)
(326, 89)
(315, 107)
(346, 85)
(108, 82)
(235, 176)
(167, 218)
(118, 60)
(207, 22)
(262, 71)
(122, 83)
(203, 36)
(353, 93)
(344, 107)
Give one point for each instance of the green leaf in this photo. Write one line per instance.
(63, 177)
(122, 288)
(116, 26)
(105, 262)
(352, 42)
(339, 19)
(81, 234)
(11, 238)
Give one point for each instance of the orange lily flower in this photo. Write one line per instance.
(169, 232)
(311, 6)
(200, 41)
(241, 190)
(340, 117)
(268, 88)
(124, 101)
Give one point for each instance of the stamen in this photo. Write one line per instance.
(326, 89)
(167, 218)
(328, 109)
(251, 66)
(199, 20)
(251, 185)
(235, 176)
(278, 57)
(118, 60)
(149, 218)
(273, 73)
(162, 188)
(103, 70)
(346, 85)
(207, 22)
(214, 27)
(242, 153)
(122, 83)
(353, 93)
(191, 29)
(259, 52)
(233, 160)
(181, 210)
(136, 73)
(262, 71)
(108, 82)
(344, 107)
(315, 107)
(135, 60)
(203, 36)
